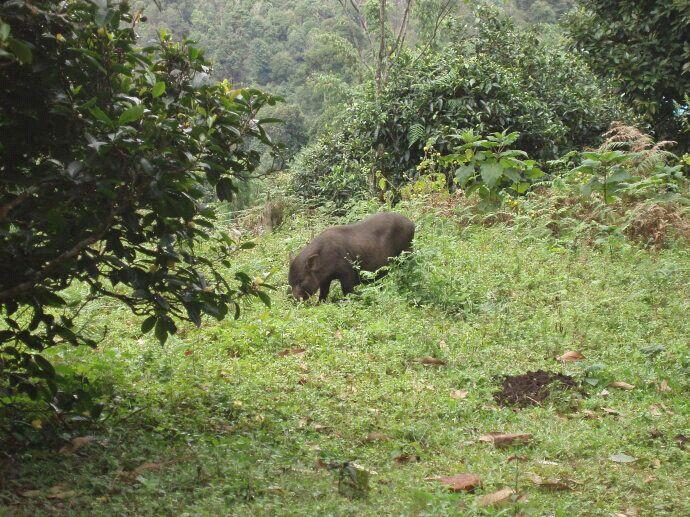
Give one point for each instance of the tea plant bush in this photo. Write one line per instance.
(500, 78)
(109, 157)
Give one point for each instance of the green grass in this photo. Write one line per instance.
(232, 428)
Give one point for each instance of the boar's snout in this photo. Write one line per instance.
(299, 294)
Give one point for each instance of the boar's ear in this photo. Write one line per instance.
(312, 261)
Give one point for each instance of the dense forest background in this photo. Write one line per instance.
(311, 53)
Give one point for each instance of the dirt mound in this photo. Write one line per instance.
(531, 388)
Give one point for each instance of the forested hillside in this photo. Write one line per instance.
(311, 53)
(348, 257)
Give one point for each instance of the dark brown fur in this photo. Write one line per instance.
(330, 256)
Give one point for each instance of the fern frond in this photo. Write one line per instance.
(415, 134)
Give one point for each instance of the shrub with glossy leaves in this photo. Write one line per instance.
(499, 78)
(644, 46)
(108, 156)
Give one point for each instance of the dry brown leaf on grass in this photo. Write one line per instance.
(502, 439)
(60, 492)
(551, 484)
(75, 444)
(570, 356)
(663, 386)
(375, 437)
(459, 482)
(622, 385)
(291, 351)
(131, 475)
(431, 361)
(459, 394)
(495, 498)
(406, 458)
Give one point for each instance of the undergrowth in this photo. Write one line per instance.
(258, 416)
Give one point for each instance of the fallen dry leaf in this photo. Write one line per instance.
(291, 351)
(59, 492)
(406, 458)
(656, 463)
(442, 345)
(431, 361)
(649, 479)
(375, 437)
(338, 335)
(189, 352)
(75, 444)
(459, 482)
(502, 440)
(610, 411)
(551, 484)
(682, 441)
(659, 409)
(622, 385)
(570, 356)
(664, 387)
(131, 475)
(303, 368)
(499, 497)
(459, 394)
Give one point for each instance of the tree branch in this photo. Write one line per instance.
(5, 210)
(443, 12)
(402, 31)
(13, 292)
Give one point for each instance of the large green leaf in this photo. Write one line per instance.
(491, 173)
(131, 114)
(158, 89)
(463, 174)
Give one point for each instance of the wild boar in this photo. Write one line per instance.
(338, 252)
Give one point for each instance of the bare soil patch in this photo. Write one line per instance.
(531, 388)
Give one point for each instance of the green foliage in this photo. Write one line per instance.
(307, 52)
(629, 163)
(330, 170)
(485, 165)
(605, 171)
(644, 47)
(223, 423)
(108, 156)
(501, 78)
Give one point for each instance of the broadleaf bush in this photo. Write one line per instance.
(109, 166)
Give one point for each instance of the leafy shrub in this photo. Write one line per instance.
(108, 154)
(630, 163)
(487, 165)
(501, 77)
(643, 47)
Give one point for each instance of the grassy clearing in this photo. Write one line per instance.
(217, 422)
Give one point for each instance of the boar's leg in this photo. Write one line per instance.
(323, 290)
(348, 281)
